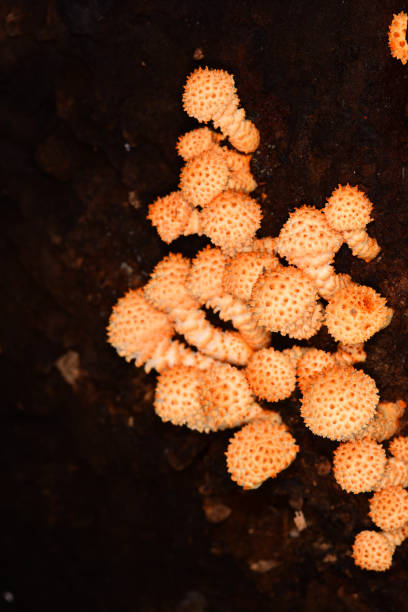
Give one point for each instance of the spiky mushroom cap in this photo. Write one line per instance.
(170, 215)
(339, 402)
(306, 233)
(389, 508)
(167, 287)
(136, 327)
(358, 465)
(397, 37)
(311, 363)
(399, 448)
(177, 397)
(260, 450)
(356, 313)
(206, 276)
(283, 298)
(348, 208)
(372, 551)
(271, 375)
(208, 92)
(204, 177)
(226, 397)
(197, 141)
(243, 270)
(231, 220)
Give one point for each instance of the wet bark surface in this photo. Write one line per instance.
(105, 507)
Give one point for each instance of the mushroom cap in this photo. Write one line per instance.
(306, 233)
(339, 402)
(206, 276)
(389, 508)
(372, 551)
(177, 397)
(197, 141)
(311, 363)
(135, 327)
(260, 450)
(208, 92)
(243, 270)
(359, 465)
(226, 397)
(231, 220)
(271, 375)
(170, 215)
(348, 208)
(355, 313)
(203, 177)
(167, 287)
(281, 298)
(397, 37)
(399, 448)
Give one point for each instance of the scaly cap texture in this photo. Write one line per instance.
(307, 234)
(206, 276)
(389, 508)
(136, 327)
(208, 92)
(373, 551)
(359, 465)
(170, 215)
(339, 402)
(311, 363)
(231, 220)
(204, 177)
(259, 451)
(271, 375)
(285, 301)
(197, 141)
(226, 397)
(397, 37)
(348, 208)
(167, 287)
(356, 313)
(243, 270)
(177, 397)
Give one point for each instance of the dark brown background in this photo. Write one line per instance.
(105, 507)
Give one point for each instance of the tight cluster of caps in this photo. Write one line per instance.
(288, 284)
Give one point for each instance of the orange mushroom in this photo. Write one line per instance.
(397, 37)
(211, 95)
(348, 211)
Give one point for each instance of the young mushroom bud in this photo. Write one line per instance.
(348, 211)
(211, 95)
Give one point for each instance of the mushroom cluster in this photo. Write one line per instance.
(215, 379)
